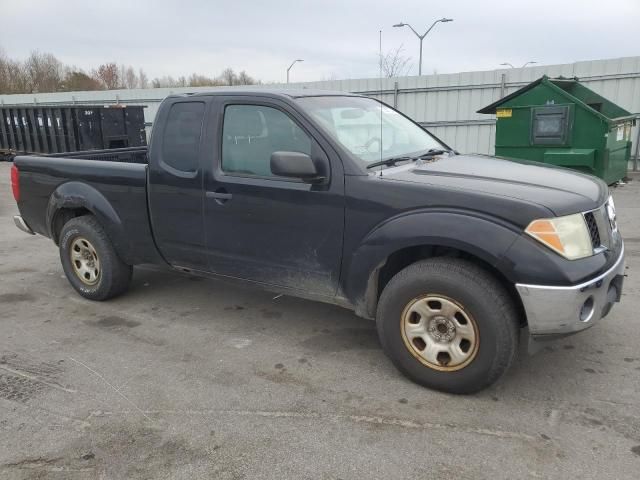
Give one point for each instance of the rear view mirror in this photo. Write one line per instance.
(294, 165)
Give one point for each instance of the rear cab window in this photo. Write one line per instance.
(181, 139)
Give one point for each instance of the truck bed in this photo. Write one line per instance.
(114, 191)
(127, 155)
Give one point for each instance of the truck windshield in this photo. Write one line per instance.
(368, 129)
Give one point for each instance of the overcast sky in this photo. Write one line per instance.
(336, 39)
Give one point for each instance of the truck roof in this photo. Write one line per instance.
(269, 92)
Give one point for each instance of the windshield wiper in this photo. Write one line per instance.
(389, 161)
(432, 152)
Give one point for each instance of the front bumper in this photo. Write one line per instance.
(557, 311)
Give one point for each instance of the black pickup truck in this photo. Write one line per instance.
(343, 199)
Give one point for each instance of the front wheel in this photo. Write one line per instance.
(90, 262)
(448, 324)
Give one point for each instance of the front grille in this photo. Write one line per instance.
(594, 232)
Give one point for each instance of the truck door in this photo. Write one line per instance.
(175, 184)
(265, 228)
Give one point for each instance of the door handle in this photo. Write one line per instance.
(221, 196)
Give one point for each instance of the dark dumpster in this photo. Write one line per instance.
(69, 128)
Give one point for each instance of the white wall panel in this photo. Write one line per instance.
(447, 102)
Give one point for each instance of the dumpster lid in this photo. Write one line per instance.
(575, 92)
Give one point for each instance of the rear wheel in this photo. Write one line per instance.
(90, 262)
(448, 324)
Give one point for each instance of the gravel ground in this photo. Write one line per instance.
(185, 378)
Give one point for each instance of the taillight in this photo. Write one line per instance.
(15, 182)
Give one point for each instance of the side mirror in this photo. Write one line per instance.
(294, 165)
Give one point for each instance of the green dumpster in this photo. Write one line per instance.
(562, 122)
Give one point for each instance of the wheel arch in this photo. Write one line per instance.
(74, 199)
(404, 257)
(402, 241)
(61, 216)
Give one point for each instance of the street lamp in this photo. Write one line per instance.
(507, 64)
(421, 37)
(292, 64)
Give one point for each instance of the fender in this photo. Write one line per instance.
(482, 236)
(76, 194)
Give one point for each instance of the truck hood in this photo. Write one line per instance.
(560, 190)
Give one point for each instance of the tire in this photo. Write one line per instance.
(90, 262)
(421, 305)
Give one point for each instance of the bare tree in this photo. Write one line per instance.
(130, 78)
(394, 63)
(168, 81)
(44, 72)
(17, 79)
(122, 71)
(196, 80)
(245, 79)
(143, 80)
(76, 80)
(108, 75)
(5, 84)
(228, 77)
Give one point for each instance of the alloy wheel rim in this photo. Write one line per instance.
(439, 332)
(85, 261)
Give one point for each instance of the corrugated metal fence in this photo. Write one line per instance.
(445, 103)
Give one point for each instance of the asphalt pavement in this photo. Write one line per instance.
(186, 378)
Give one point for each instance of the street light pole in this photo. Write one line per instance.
(507, 64)
(292, 64)
(421, 37)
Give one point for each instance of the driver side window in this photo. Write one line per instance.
(251, 133)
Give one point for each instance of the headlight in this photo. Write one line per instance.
(567, 236)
